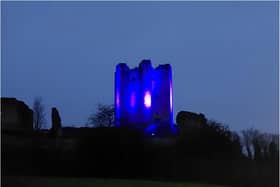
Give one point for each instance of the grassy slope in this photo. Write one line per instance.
(89, 182)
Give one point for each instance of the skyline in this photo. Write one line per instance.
(224, 55)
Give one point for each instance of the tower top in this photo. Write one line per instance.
(145, 63)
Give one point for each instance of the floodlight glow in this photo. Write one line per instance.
(170, 90)
(117, 96)
(151, 129)
(118, 100)
(143, 97)
(147, 99)
(153, 84)
(133, 99)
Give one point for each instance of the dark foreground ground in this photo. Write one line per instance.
(85, 158)
(23, 181)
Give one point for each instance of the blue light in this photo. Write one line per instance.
(117, 96)
(133, 99)
(143, 96)
(174, 129)
(171, 99)
(147, 99)
(117, 100)
(151, 129)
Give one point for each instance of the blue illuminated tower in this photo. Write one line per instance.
(143, 97)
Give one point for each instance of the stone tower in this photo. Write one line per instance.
(143, 96)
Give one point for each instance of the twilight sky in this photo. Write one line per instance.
(224, 55)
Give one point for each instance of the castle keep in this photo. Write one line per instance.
(143, 96)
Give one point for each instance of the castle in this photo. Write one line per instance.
(143, 97)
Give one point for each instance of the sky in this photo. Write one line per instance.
(224, 55)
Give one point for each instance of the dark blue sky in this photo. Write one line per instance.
(224, 55)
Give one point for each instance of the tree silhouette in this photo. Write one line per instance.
(39, 115)
(199, 137)
(248, 136)
(104, 117)
(259, 145)
(273, 147)
(236, 144)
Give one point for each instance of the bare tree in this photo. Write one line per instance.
(264, 141)
(104, 117)
(257, 141)
(259, 145)
(39, 115)
(275, 139)
(274, 147)
(249, 140)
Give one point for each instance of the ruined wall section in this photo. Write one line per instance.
(15, 115)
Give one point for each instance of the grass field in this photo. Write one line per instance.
(11, 181)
